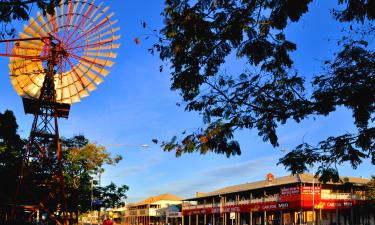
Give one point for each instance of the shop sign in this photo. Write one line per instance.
(215, 210)
(309, 190)
(270, 206)
(290, 198)
(330, 204)
(337, 204)
(173, 214)
(290, 190)
(232, 209)
(283, 205)
(255, 208)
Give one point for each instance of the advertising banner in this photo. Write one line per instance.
(268, 206)
(331, 204)
(290, 191)
(309, 190)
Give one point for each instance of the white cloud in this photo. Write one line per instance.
(215, 178)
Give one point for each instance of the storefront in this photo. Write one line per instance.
(286, 200)
(174, 215)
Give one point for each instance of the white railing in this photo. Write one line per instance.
(256, 200)
(341, 196)
(273, 198)
(189, 207)
(201, 206)
(244, 202)
(230, 203)
(216, 205)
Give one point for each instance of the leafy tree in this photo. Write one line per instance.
(82, 160)
(111, 195)
(11, 146)
(370, 189)
(199, 36)
(11, 10)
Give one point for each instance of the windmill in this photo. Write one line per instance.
(56, 61)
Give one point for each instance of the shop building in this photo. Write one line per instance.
(156, 210)
(295, 199)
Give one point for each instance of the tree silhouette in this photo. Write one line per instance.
(199, 36)
(13, 10)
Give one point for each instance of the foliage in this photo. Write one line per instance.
(111, 195)
(11, 10)
(370, 189)
(11, 146)
(82, 161)
(197, 39)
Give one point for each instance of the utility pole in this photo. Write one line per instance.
(313, 196)
(92, 196)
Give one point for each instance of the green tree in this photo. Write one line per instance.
(11, 147)
(370, 189)
(111, 195)
(11, 10)
(82, 161)
(199, 36)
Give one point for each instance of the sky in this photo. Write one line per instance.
(135, 104)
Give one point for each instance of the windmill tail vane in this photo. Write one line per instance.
(56, 61)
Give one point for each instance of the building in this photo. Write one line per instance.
(156, 210)
(173, 214)
(285, 200)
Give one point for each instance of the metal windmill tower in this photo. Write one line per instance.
(57, 60)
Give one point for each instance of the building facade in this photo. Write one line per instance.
(298, 199)
(156, 210)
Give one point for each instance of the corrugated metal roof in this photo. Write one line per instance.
(277, 181)
(150, 200)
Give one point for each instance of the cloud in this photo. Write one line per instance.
(246, 168)
(141, 168)
(295, 134)
(132, 171)
(215, 178)
(127, 172)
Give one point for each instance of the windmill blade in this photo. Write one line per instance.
(84, 31)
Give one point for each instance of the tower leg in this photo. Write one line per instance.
(61, 174)
(43, 154)
(25, 160)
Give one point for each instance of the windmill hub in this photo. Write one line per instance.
(61, 51)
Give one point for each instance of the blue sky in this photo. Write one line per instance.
(135, 104)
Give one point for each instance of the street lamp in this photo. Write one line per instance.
(313, 189)
(127, 145)
(101, 170)
(92, 196)
(313, 195)
(121, 145)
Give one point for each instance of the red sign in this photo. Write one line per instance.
(333, 204)
(267, 206)
(201, 211)
(309, 190)
(290, 191)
